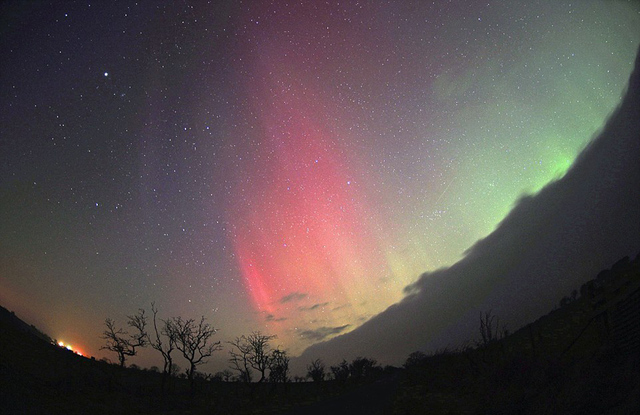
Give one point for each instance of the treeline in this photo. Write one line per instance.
(192, 339)
(252, 358)
(499, 369)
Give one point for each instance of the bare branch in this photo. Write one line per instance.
(253, 351)
(164, 348)
(240, 358)
(490, 329)
(193, 341)
(138, 322)
(119, 340)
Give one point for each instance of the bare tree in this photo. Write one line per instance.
(316, 370)
(123, 343)
(260, 356)
(490, 329)
(251, 351)
(192, 339)
(279, 366)
(240, 358)
(165, 348)
(341, 371)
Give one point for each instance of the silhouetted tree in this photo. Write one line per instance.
(123, 343)
(193, 341)
(260, 355)
(363, 367)
(316, 370)
(240, 359)
(202, 376)
(490, 329)
(223, 376)
(252, 351)
(341, 371)
(415, 359)
(166, 347)
(279, 366)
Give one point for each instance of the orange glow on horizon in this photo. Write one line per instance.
(70, 348)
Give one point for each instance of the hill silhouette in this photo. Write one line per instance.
(548, 243)
(583, 357)
(10, 318)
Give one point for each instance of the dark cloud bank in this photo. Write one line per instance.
(548, 245)
(293, 297)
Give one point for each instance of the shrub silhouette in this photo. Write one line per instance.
(316, 370)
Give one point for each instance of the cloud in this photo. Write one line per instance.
(271, 317)
(322, 333)
(313, 307)
(340, 307)
(549, 244)
(293, 297)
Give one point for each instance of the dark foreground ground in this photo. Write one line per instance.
(582, 358)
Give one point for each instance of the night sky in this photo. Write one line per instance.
(277, 166)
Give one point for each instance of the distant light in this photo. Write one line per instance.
(106, 74)
(70, 348)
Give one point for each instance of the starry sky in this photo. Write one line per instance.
(288, 167)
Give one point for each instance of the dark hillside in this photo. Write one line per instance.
(9, 318)
(39, 377)
(582, 358)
